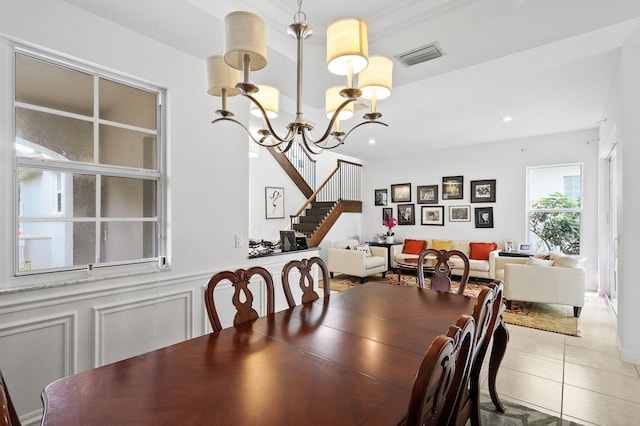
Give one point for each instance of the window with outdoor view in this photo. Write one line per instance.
(88, 159)
(554, 207)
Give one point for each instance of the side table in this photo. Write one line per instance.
(515, 253)
(388, 246)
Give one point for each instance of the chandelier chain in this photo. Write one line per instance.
(300, 17)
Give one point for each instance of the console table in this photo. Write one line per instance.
(515, 253)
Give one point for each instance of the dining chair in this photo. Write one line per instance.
(444, 371)
(242, 297)
(467, 405)
(8, 415)
(441, 280)
(306, 281)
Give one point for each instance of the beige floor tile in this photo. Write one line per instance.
(536, 346)
(528, 388)
(538, 334)
(599, 409)
(578, 421)
(612, 384)
(599, 360)
(607, 345)
(548, 368)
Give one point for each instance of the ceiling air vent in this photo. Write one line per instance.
(419, 55)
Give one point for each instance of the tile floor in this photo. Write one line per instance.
(579, 379)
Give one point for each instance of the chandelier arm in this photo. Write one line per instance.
(306, 135)
(286, 148)
(288, 137)
(362, 124)
(259, 142)
(334, 117)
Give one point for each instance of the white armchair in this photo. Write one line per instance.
(357, 263)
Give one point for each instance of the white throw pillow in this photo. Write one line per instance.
(538, 262)
(566, 262)
(365, 248)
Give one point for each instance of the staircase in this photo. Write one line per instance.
(313, 216)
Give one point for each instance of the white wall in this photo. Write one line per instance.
(506, 162)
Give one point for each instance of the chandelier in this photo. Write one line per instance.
(347, 54)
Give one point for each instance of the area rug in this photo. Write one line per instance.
(516, 415)
(541, 316)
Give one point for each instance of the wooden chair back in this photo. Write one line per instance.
(444, 370)
(467, 405)
(306, 281)
(441, 279)
(242, 297)
(8, 414)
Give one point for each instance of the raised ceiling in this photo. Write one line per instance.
(549, 64)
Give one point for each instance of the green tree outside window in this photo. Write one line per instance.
(556, 230)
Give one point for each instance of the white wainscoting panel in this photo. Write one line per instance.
(33, 353)
(123, 330)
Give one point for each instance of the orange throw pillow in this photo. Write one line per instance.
(414, 246)
(480, 251)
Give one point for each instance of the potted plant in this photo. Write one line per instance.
(390, 224)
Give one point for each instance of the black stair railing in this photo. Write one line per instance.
(303, 163)
(343, 184)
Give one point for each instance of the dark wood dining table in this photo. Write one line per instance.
(348, 359)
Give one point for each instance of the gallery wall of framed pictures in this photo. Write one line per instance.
(451, 190)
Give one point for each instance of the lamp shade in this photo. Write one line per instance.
(221, 76)
(376, 78)
(268, 97)
(347, 46)
(245, 33)
(333, 100)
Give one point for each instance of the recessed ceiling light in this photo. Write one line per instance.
(371, 141)
(507, 118)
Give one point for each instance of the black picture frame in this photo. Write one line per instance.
(274, 202)
(459, 213)
(432, 215)
(453, 187)
(380, 197)
(401, 193)
(406, 214)
(484, 217)
(483, 191)
(387, 212)
(427, 194)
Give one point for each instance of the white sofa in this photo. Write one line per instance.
(355, 262)
(478, 268)
(562, 282)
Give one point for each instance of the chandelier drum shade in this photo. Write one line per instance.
(347, 55)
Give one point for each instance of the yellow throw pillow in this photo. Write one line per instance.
(441, 244)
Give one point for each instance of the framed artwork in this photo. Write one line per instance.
(483, 191)
(381, 197)
(274, 202)
(428, 194)
(484, 217)
(406, 214)
(387, 212)
(524, 247)
(452, 187)
(508, 245)
(459, 213)
(401, 193)
(433, 215)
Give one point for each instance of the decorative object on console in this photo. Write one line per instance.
(433, 215)
(274, 202)
(508, 245)
(483, 191)
(452, 187)
(484, 217)
(459, 213)
(406, 214)
(524, 247)
(380, 197)
(401, 193)
(347, 54)
(390, 223)
(428, 194)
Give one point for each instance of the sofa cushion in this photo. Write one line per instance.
(414, 246)
(441, 244)
(364, 248)
(480, 251)
(534, 261)
(373, 262)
